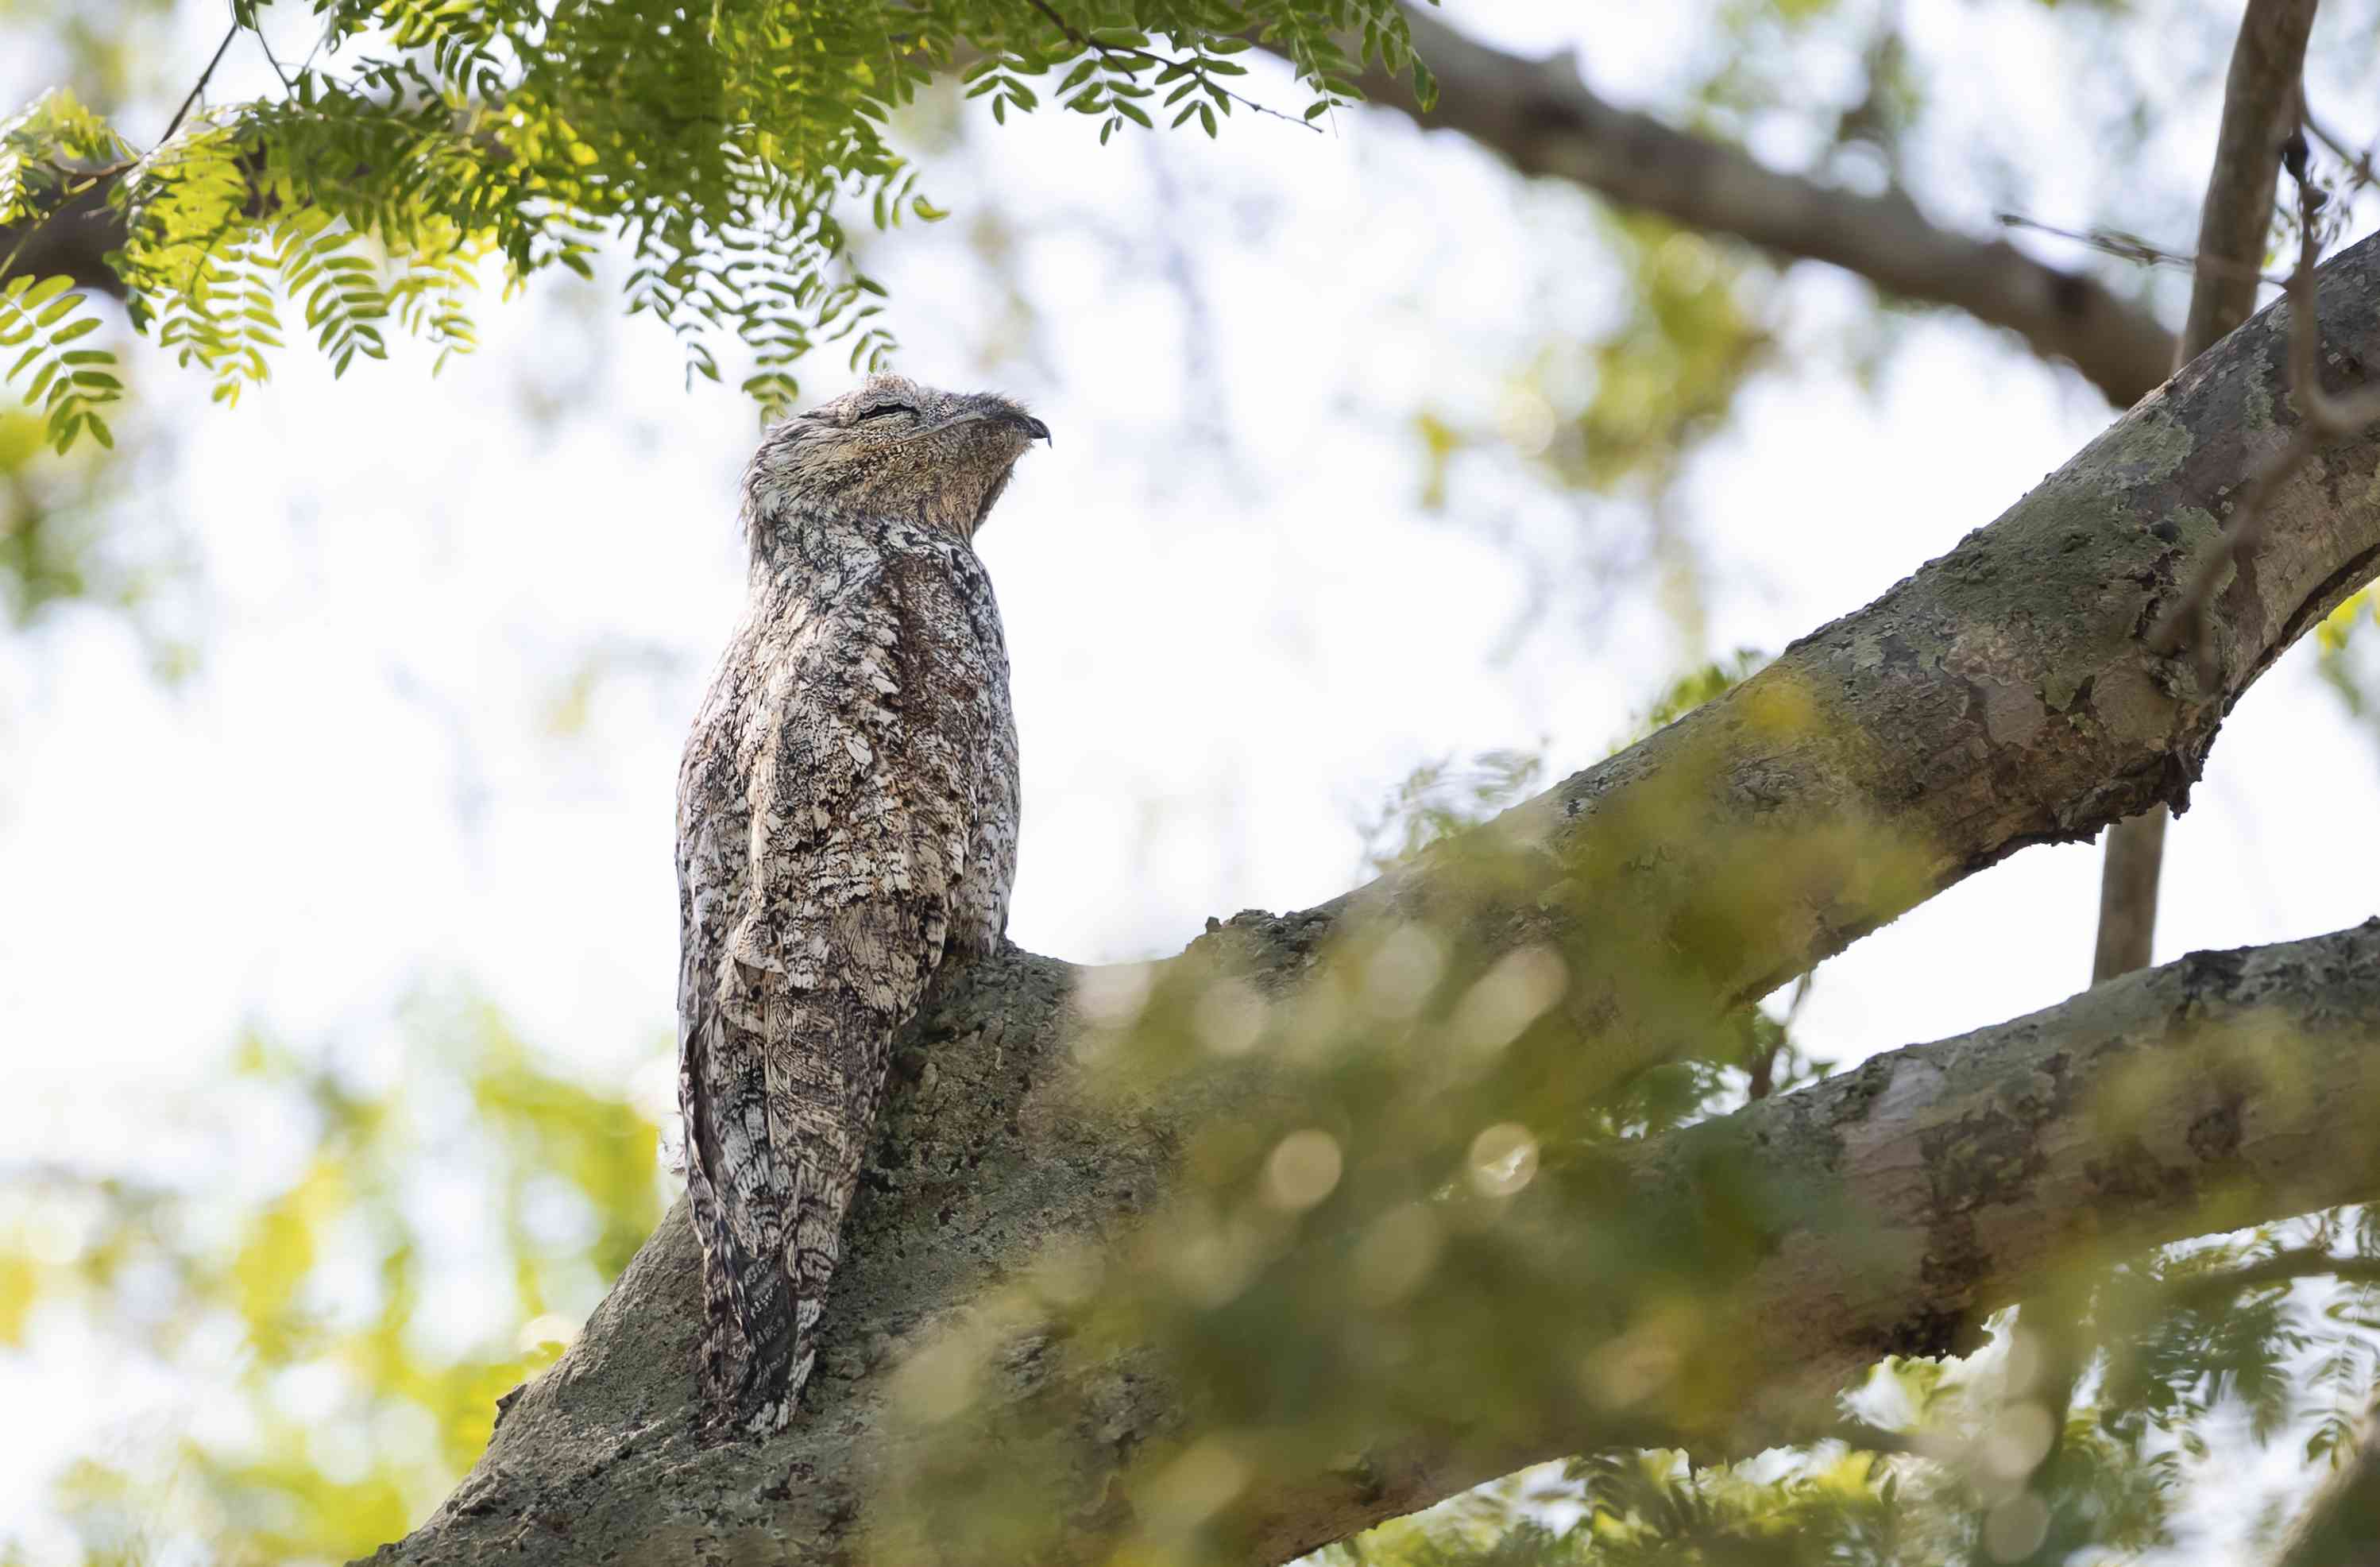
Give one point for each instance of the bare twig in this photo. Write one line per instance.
(200, 86)
(2133, 247)
(1764, 1075)
(1764, 1070)
(274, 60)
(330, 29)
(1109, 51)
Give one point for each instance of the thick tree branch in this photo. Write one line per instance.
(75, 239)
(2259, 111)
(1954, 1172)
(1541, 117)
(2002, 696)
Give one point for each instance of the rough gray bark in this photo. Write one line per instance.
(1540, 116)
(2259, 111)
(2000, 697)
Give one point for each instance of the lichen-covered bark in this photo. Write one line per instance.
(2000, 697)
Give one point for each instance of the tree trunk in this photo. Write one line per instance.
(2003, 696)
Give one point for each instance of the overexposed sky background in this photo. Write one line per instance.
(450, 631)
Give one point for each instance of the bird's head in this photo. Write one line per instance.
(891, 448)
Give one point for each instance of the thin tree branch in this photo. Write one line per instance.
(199, 87)
(2131, 866)
(2133, 247)
(2261, 107)
(288, 85)
(1540, 116)
(2261, 103)
(2360, 175)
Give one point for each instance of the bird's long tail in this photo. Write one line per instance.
(772, 1159)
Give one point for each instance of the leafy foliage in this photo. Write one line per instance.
(1621, 411)
(70, 384)
(1691, 338)
(723, 145)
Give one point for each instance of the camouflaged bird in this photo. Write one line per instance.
(846, 827)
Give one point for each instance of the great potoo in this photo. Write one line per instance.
(846, 826)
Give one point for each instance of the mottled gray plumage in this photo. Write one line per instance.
(846, 825)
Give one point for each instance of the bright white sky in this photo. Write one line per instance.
(1234, 625)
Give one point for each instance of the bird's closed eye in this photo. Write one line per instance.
(882, 410)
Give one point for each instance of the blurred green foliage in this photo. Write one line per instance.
(1974, 1465)
(296, 1275)
(48, 548)
(67, 539)
(1624, 409)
